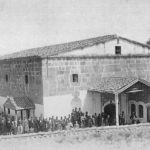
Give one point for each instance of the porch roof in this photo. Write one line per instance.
(115, 85)
(18, 103)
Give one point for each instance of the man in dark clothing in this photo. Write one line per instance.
(31, 125)
(103, 117)
(95, 119)
(73, 117)
(36, 125)
(86, 119)
(133, 118)
(122, 119)
(8, 126)
(79, 114)
(99, 120)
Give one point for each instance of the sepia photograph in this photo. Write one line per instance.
(74, 74)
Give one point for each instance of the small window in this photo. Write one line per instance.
(8, 111)
(75, 78)
(26, 79)
(133, 109)
(118, 50)
(140, 111)
(6, 77)
(117, 40)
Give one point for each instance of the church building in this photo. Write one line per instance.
(108, 74)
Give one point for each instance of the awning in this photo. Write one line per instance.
(115, 84)
(19, 103)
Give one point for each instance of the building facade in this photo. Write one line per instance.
(60, 77)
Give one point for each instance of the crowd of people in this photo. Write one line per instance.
(77, 119)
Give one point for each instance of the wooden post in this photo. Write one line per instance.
(116, 103)
(4, 110)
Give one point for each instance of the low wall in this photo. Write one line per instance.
(134, 130)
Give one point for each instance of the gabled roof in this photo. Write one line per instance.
(54, 50)
(60, 48)
(115, 84)
(18, 103)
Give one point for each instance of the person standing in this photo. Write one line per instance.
(99, 120)
(95, 119)
(8, 125)
(31, 125)
(133, 118)
(26, 125)
(76, 125)
(20, 127)
(79, 114)
(103, 119)
(90, 121)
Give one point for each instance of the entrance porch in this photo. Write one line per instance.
(124, 94)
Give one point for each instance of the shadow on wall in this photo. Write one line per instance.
(92, 102)
(62, 105)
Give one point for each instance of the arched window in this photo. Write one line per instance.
(140, 111)
(133, 108)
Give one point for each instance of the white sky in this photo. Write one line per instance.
(33, 23)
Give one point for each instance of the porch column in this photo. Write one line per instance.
(116, 103)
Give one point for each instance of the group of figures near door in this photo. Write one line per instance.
(83, 120)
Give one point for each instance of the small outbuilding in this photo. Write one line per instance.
(19, 106)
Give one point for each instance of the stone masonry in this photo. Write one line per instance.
(16, 70)
(57, 72)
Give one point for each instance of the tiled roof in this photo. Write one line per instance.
(112, 84)
(60, 48)
(54, 50)
(18, 103)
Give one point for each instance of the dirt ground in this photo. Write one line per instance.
(126, 138)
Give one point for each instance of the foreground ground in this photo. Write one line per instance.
(136, 137)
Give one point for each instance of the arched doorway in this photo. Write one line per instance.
(111, 111)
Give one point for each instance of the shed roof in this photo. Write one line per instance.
(54, 50)
(115, 84)
(18, 103)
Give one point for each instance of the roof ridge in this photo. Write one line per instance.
(56, 49)
(133, 41)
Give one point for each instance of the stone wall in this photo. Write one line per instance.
(57, 72)
(15, 85)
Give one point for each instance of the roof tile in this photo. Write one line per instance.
(111, 84)
(59, 48)
(17, 103)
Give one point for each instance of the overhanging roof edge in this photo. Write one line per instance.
(132, 83)
(101, 91)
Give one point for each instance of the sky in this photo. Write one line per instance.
(34, 23)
